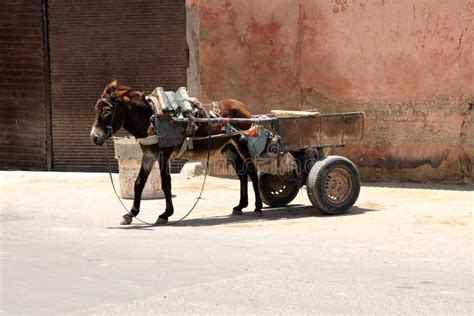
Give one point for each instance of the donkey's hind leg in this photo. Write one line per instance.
(253, 174)
(145, 169)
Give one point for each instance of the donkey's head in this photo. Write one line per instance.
(110, 110)
(109, 114)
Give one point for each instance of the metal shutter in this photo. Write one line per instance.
(140, 43)
(177, 164)
(23, 131)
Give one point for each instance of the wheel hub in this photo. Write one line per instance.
(337, 186)
(277, 185)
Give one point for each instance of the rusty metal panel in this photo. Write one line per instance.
(140, 43)
(310, 131)
(331, 130)
(299, 132)
(290, 133)
(322, 130)
(22, 86)
(353, 127)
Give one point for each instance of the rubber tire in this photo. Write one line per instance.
(271, 200)
(314, 184)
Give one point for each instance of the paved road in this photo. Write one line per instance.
(399, 250)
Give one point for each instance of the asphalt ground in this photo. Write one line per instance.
(402, 249)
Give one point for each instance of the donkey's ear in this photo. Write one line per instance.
(113, 84)
(111, 87)
(119, 92)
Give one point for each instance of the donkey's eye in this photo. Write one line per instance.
(105, 114)
(106, 110)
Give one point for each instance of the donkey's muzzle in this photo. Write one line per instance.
(98, 137)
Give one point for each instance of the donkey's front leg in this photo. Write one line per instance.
(145, 169)
(166, 186)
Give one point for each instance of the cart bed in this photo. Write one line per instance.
(326, 130)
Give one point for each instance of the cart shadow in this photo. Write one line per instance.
(288, 212)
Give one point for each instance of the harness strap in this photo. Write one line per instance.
(110, 126)
(184, 148)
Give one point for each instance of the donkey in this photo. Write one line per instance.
(120, 106)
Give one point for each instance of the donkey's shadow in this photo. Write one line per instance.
(269, 214)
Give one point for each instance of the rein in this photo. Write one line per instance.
(109, 133)
(113, 186)
(109, 128)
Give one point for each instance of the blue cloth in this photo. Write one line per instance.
(257, 144)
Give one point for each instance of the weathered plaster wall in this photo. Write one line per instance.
(407, 63)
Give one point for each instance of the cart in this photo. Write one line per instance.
(297, 157)
(290, 154)
(332, 182)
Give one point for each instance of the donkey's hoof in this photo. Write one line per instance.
(126, 219)
(237, 211)
(161, 221)
(257, 213)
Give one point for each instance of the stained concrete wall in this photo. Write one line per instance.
(407, 63)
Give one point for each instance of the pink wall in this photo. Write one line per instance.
(407, 63)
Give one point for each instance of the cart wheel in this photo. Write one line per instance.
(275, 191)
(333, 185)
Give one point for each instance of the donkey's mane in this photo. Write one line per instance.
(125, 94)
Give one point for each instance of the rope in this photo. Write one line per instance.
(113, 185)
(197, 199)
(205, 176)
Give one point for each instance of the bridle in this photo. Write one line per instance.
(113, 105)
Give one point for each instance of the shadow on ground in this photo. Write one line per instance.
(269, 214)
(420, 186)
